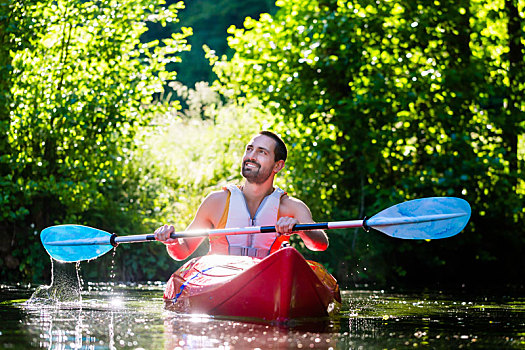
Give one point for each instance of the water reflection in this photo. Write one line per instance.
(72, 326)
(434, 320)
(103, 318)
(116, 317)
(203, 332)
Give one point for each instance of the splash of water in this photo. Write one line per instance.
(66, 285)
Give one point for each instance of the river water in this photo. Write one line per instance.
(131, 316)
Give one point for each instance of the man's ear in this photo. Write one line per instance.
(278, 166)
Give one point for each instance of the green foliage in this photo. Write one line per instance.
(78, 82)
(388, 101)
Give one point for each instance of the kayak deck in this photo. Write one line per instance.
(279, 287)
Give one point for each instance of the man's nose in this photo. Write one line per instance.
(250, 155)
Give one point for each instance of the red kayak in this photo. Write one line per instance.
(280, 287)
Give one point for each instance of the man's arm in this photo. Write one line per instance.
(293, 211)
(206, 217)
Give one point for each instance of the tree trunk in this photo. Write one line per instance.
(516, 78)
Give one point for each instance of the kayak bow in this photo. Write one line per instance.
(280, 287)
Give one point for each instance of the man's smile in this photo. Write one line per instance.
(253, 165)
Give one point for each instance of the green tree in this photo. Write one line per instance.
(77, 82)
(388, 101)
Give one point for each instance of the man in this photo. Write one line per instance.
(256, 203)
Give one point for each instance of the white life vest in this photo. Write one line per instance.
(255, 245)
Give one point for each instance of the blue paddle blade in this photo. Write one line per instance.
(72, 243)
(426, 218)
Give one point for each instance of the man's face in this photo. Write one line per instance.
(258, 161)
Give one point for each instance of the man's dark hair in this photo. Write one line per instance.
(281, 153)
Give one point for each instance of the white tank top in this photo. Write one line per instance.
(259, 244)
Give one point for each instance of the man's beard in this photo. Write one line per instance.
(255, 175)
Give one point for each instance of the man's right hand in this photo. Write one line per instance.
(163, 234)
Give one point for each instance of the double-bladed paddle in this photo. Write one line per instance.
(426, 218)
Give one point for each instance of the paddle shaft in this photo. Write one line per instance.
(299, 227)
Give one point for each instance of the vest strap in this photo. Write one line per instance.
(249, 251)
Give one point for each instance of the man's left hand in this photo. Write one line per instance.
(285, 225)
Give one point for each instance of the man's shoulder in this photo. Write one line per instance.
(287, 199)
(290, 204)
(217, 196)
(212, 206)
